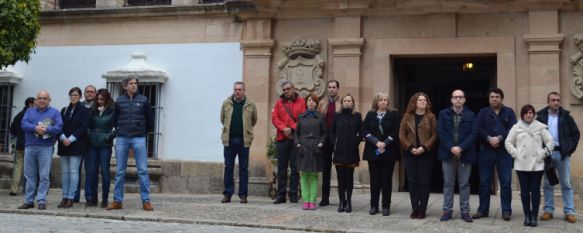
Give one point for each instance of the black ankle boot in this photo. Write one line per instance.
(348, 206)
(527, 220)
(533, 221)
(341, 206)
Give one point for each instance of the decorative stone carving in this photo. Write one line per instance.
(577, 68)
(303, 66)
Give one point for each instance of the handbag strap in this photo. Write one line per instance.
(289, 112)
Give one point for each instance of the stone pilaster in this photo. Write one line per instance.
(543, 54)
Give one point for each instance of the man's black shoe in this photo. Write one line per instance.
(506, 216)
(293, 199)
(42, 206)
(12, 194)
(373, 210)
(279, 200)
(324, 202)
(226, 199)
(479, 215)
(25, 206)
(386, 211)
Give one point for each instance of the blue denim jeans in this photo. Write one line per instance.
(488, 159)
(564, 171)
(236, 147)
(122, 147)
(37, 163)
(70, 174)
(97, 162)
(453, 168)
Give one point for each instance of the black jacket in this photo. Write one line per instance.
(346, 134)
(390, 124)
(568, 131)
(16, 131)
(100, 128)
(133, 117)
(74, 124)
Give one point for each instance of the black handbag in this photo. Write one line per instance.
(551, 171)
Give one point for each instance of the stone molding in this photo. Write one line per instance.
(9, 76)
(346, 47)
(257, 47)
(544, 43)
(139, 68)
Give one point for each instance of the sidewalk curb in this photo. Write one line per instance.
(169, 220)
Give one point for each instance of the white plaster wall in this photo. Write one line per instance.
(201, 77)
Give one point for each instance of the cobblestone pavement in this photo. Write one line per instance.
(187, 210)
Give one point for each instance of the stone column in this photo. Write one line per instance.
(544, 42)
(257, 45)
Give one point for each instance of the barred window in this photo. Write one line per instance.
(148, 2)
(6, 99)
(210, 1)
(152, 91)
(66, 4)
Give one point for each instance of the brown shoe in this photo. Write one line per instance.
(148, 207)
(226, 199)
(570, 218)
(243, 199)
(62, 203)
(68, 203)
(115, 206)
(546, 216)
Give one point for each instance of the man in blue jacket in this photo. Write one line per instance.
(493, 124)
(41, 125)
(457, 152)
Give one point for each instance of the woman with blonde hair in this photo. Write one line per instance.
(418, 136)
(381, 130)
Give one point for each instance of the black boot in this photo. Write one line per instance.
(348, 206)
(373, 210)
(533, 220)
(341, 206)
(527, 220)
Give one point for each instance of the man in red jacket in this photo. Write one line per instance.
(284, 117)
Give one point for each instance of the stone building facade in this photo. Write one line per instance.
(527, 47)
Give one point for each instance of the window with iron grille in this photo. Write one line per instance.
(148, 2)
(66, 4)
(210, 1)
(6, 95)
(152, 91)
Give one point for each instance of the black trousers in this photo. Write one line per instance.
(381, 182)
(286, 156)
(530, 191)
(328, 150)
(418, 169)
(345, 182)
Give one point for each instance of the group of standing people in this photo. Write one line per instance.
(85, 131)
(313, 135)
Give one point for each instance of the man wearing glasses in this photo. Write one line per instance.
(284, 117)
(41, 125)
(457, 152)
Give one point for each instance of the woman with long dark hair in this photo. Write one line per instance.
(101, 134)
(418, 136)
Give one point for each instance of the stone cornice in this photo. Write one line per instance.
(544, 43)
(257, 47)
(9, 76)
(346, 46)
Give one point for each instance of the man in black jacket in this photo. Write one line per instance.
(565, 138)
(133, 119)
(17, 132)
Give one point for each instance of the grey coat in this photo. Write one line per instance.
(310, 131)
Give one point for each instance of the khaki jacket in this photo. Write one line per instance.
(323, 106)
(427, 130)
(249, 120)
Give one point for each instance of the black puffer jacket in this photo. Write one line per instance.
(568, 131)
(133, 116)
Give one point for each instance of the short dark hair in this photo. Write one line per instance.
(525, 109)
(334, 81)
(552, 93)
(314, 97)
(496, 91)
(76, 89)
(28, 101)
(128, 79)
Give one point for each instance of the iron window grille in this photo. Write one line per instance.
(148, 2)
(6, 101)
(67, 4)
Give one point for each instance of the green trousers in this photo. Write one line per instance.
(309, 182)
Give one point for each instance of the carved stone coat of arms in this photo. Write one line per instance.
(303, 66)
(577, 68)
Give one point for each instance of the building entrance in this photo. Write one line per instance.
(438, 77)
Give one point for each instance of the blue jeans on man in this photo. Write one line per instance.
(236, 148)
(463, 170)
(97, 162)
(122, 147)
(564, 172)
(37, 163)
(70, 174)
(489, 158)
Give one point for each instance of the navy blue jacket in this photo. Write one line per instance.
(74, 124)
(490, 124)
(133, 116)
(467, 134)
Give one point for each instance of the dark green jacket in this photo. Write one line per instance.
(101, 131)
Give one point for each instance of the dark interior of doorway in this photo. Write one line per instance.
(438, 77)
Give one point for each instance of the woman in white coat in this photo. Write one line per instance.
(529, 142)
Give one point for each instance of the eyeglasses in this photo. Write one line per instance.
(458, 97)
(287, 89)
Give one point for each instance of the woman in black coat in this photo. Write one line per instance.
(346, 135)
(72, 145)
(381, 130)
